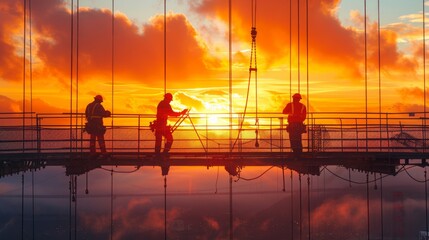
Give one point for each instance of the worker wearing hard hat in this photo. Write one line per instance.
(94, 114)
(164, 110)
(297, 113)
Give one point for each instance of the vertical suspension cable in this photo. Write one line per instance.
(366, 79)
(308, 65)
(298, 46)
(424, 73)
(165, 46)
(230, 71)
(31, 70)
(379, 70)
(290, 50)
(24, 73)
(77, 73)
(71, 73)
(113, 71)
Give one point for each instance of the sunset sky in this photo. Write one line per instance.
(197, 59)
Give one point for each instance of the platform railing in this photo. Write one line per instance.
(211, 132)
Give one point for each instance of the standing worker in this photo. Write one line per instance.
(296, 116)
(164, 110)
(94, 114)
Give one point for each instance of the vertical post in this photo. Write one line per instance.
(38, 131)
(138, 136)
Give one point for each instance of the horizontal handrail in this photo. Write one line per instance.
(219, 132)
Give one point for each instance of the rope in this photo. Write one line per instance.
(115, 171)
(254, 178)
(251, 69)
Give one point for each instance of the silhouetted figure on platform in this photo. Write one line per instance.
(94, 114)
(164, 110)
(296, 116)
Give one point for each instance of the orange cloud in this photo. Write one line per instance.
(10, 26)
(331, 45)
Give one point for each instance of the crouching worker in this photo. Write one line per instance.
(94, 114)
(164, 110)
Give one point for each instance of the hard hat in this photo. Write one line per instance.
(98, 98)
(297, 95)
(168, 96)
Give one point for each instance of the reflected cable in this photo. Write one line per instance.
(165, 207)
(308, 206)
(300, 206)
(381, 206)
(367, 205)
(426, 202)
(22, 206)
(111, 204)
(231, 222)
(291, 204)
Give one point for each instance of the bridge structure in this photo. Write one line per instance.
(376, 143)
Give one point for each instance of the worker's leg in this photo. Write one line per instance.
(101, 143)
(92, 143)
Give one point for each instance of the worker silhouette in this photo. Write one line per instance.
(94, 114)
(296, 116)
(164, 110)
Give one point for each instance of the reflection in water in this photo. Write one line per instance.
(212, 202)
